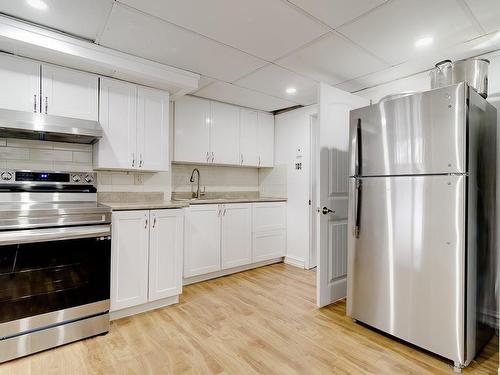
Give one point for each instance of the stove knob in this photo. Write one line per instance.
(89, 178)
(6, 176)
(75, 178)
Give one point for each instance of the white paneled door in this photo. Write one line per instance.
(224, 134)
(248, 137)
(20, 84)
(69, 93)
(129, 259)
(334, 108)
(236, 235)
(166, 245)
(152, 129)
(192, 130)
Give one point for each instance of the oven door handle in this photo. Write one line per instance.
(53, 234)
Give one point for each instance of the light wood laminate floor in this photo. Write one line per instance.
(260, 321)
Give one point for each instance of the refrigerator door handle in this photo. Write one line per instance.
(359, 153)
(357, 202)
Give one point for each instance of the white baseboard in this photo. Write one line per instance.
(113, 315)
(213, 275)
(295, 261)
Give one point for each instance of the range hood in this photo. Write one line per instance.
(26, 125)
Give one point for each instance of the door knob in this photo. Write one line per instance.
(327, 211)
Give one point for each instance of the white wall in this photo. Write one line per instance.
(292, 130)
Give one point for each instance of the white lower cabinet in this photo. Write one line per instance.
(220, 237)
(166, 243)
(146, 256)
(129, 259)
(236, 246)
(202, 253)
(269, 231)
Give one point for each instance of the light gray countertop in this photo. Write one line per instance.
(126, 206)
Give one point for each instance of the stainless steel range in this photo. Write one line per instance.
(55, 255)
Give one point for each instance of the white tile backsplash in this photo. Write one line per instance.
(50, 155)
(43, 155)
(14, 153)
(72, 157)
(215, 178)
(82, 157)
(273, 182)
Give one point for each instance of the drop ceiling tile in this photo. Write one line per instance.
(136, 33)
(336, 12)
(265, 28)
(487, 12)
(274, 80)
(391, 30)
(82, 18)
(332, 60)
(476, 47)
(230, 93)
(350, 86)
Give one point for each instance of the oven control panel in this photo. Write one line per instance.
(65, 178)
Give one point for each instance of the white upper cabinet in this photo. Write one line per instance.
(265, 139)
(248, 137)
(219, 133)
(224, 133)
(69, 93)
(236, 243)
(192, 130)
(20, 84)
(118, 118)
(30, 86)
(152, 129)
(135, 124)
(166, 245)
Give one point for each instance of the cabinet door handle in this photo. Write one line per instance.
(225, 210)
(154, 221)
(133, 160)
(208, 156)
(46, 104)
(213, 156)
(241, 159)
(34, 103)
(140, 161)
(146, 223)
(259, 160)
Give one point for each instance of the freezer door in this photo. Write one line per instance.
(406, 261)
(423, 133)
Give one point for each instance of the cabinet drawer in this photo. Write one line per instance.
(269, 216)
(269, 245)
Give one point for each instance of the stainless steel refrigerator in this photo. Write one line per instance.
(421, 243)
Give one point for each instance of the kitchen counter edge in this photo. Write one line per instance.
(173, 204)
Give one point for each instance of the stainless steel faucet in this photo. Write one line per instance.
(191, 179)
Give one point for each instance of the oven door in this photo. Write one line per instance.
(51, 276)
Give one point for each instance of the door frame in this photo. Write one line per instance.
(311, 260)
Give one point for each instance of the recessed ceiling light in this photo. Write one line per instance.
(291, 90)
(424, 42)
(37, 4)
